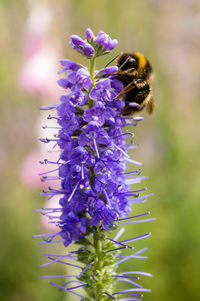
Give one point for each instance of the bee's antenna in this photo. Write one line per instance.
(112, 60)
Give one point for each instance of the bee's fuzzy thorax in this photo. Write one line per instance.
(142, 62)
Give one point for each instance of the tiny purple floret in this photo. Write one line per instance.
(89, 34)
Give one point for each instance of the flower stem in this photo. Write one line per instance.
(97, 246)
(92, 69)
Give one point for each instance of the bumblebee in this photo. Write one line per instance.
(135, 73)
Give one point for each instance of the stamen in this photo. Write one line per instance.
(121, 150)
(135, 180)
(129, 281)
(134, 255)
(62, 287)
(107, 198)
(127, 117)
(129, 134)
(136, 272)
(85, 269)
(73, 191)
(133, 172)
(119, 243)
(129, 257)
(133, 290)
(51, 242)
(136, 238)
(54, 260)
(60, 261)
(52, 216)
(121, 231)
(132, 191)
(133, 146)
(130, 294)
(45, 140)
(53, 117)
(73, 288)
(96, 148)
(44, 173)
(48, 209)
(142, 198)
(82, 171)
(132, 161)
(49, 107)
(51, 127)
(109, 295)
(46, 161)
(55, 255)
(133, 299)
(58, 276)
(116, 249)
(122, 219)
(73, 281)
(73, 258)
(137, 222)
(81, 297)
(42, 235)
(121, 276)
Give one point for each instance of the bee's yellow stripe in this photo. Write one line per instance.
(141, 62)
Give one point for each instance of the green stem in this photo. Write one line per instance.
(98, 249)
(99, 266)
(92, 69)
(97, 246)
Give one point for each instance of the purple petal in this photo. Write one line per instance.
(77, 41)
(64, 83)
(112, 44)
(88, 50)
(89, 34)
(69, 64)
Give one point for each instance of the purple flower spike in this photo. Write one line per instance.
(89, 34)
(92, 189)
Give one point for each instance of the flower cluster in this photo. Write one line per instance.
(101, 44)
(95, 195)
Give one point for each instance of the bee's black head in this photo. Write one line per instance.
(135, 61)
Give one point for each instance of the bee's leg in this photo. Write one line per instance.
(99, 75)
(125, 89)
(150, 105)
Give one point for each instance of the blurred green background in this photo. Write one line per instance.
(167, 32)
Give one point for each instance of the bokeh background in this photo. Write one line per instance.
(34, 36)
